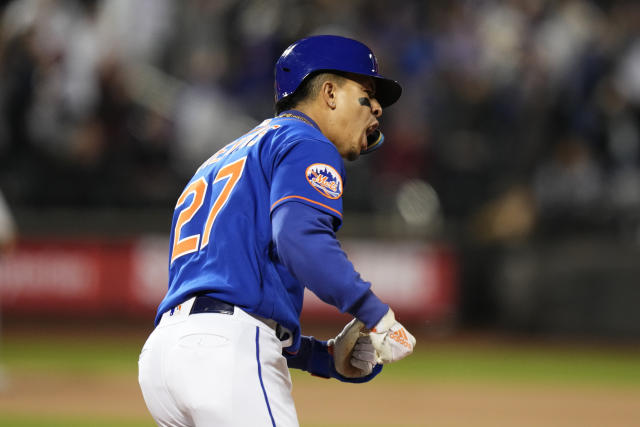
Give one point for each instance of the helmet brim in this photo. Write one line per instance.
(387, 91)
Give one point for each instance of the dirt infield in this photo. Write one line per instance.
(57, 375)
(329, 403)
(453, 405)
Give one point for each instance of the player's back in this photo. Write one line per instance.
(221, 228)
(220, 221)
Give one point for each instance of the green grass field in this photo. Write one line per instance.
(68, 379)
(35, 421)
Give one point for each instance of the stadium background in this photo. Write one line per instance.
(501, 219)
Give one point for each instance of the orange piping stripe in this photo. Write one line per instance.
(308, 200)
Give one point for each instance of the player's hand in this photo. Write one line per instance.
(391, 340)
(353, 353)
(364, 355)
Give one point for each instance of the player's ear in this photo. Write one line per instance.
(328, 93)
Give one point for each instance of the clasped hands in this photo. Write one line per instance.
(356, 350)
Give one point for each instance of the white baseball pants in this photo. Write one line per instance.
(214, 369)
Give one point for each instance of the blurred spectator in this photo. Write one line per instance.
(8, 231)
(569, 187)
(87, 83)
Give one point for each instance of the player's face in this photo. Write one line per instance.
(358, 111)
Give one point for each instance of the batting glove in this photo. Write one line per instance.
(353, 352)
(392, 342)
(364, 355)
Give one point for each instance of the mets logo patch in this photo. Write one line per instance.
(325, 179)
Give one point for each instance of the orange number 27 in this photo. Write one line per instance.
(186, 245)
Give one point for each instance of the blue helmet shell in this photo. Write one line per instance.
(330, 53)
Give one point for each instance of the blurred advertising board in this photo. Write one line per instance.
(100, 277)
(417, 280)
(63, 277)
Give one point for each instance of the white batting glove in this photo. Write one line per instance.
(391, 340)
(364, 355)
(353, 352)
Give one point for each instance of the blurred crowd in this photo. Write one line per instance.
(517, 116)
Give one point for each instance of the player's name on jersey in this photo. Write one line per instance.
(247, 140)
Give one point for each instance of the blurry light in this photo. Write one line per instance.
(418, 203)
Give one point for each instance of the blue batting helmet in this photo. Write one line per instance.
(330, 53)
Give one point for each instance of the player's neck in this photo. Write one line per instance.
(318, 114)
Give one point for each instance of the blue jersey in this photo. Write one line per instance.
(221, 233)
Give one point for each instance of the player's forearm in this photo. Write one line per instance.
(314, 357)
(307, 246)
(369, 309)
(303, 358)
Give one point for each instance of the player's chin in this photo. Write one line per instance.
(353, 154)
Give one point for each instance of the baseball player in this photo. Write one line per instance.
(256, 225)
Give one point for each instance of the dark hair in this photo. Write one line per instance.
(291, 101)
(308, 87)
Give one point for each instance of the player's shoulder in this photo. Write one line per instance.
(292, 132)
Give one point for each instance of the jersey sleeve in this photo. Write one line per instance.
(302, 236)
(309, 172)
